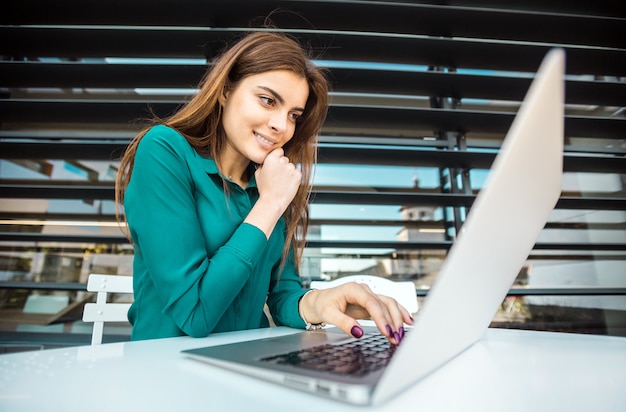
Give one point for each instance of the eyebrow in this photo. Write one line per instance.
(279, 97)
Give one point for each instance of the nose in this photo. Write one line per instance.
(278, 121)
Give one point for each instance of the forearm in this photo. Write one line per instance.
(264, 215)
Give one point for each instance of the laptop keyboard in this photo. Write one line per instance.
(356, 358)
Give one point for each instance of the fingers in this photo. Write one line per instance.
(399, 316)
(386, 314)
(278, 165)
(278, 179)
(330, 306)
(342, 305)
(276, 153)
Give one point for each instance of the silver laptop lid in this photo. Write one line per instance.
(501, 229)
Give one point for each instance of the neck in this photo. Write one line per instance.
(234, 168)
(235, 174)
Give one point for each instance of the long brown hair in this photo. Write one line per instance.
(199, 120)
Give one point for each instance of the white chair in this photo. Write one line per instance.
(103, 311)
(403, 292)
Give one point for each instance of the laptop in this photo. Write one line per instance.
(501, 229)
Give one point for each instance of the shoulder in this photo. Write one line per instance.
(162, 137)
(162, 149)
(165, 146)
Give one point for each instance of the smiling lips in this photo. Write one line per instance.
(265, 141)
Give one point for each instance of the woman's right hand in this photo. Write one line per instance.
(278, 181)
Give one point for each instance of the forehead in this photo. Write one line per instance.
(292, 88)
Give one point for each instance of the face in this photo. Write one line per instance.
(260, 114)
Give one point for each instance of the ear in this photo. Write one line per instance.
(223, 96)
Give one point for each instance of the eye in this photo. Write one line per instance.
(294, 116)
(267, 100)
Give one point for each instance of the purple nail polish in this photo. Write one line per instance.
(401, 332)
(412, 320)
(389, 331)
(356, 331)
(396, 336)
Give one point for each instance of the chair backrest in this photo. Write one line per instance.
(103, 311)
(403, 292)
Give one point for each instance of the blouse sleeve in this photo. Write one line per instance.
(284, 297)
(160, 207)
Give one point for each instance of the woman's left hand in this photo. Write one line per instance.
(343, 304)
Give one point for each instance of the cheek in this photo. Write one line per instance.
(287, 140)
(234, 108)
(234, 117)
(227, 125)
(227, 114)
(288, 144)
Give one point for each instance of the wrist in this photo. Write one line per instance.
(264, 215)
(271, 205)
(306, 309)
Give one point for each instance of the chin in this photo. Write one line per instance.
(259, 158)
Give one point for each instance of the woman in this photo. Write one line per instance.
(217, 209)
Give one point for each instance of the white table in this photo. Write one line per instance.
(508, 370)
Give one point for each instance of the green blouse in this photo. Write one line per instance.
(197, 267)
